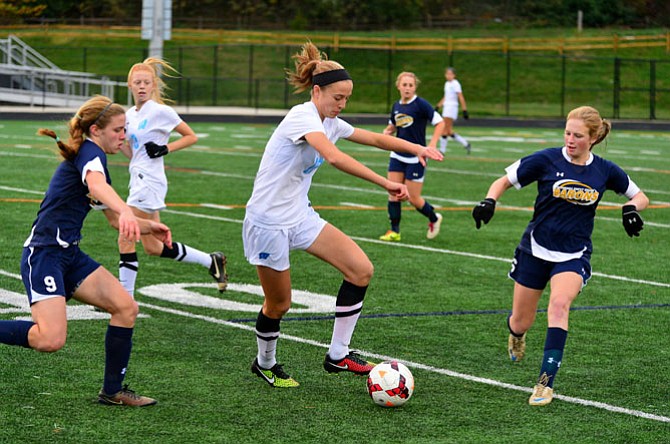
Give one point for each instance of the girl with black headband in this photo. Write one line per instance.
(280, 217)
(53, 267)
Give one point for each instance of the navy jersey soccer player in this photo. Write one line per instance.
(409, 118)
(556, 246)
(566, 203)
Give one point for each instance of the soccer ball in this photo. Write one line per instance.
(390, 384)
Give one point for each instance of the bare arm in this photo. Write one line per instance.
(119, 215)
(390, 143)
(187, 138)
(437, 133)
(389, 130)
(349, 165)
(461, 99)
(498, 187)
(640, 200)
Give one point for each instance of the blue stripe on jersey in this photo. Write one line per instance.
(67, 201)
(568, 196)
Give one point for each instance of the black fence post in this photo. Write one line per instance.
(287, 61)
(389, 79)
(563, 85)
(652, 89)
(250, 76)
(508, 74)
(84, 56)
(215, 71)
(617, 88)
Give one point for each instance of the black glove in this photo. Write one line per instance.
(632, 221)
(483, 211)
(155, 150)
(466, 116)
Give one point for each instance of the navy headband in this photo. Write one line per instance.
(328, 77)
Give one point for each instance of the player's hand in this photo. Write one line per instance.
(398, 191)
(154, 150)
(466, 116)
(162, 233)
(129, 227)
(632, 221)
(430, 152)
(483, 211)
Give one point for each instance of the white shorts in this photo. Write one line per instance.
(450, 111)
(270, 247)
(147, 196)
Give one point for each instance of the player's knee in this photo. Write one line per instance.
(277, 310)
(125, 309)
(49, 344)
(152, 249)
(362, 275)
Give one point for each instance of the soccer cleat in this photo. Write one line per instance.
(125, 397)
(434, 227)
(516, 347)
(350, 363)
(468, 148)
(275, 376)
(542, 393)
(218, 270)
(390, 236)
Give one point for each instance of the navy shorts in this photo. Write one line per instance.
(412, 171)
(50, 272)
(533, 272)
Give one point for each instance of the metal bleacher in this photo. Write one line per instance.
(29, 78)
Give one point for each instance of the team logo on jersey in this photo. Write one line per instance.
(575, 192)
(142, 125)
(403, 120)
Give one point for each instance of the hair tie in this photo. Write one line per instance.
(57, 139)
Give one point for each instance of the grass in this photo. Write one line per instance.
(439, 306)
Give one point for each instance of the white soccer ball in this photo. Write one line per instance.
(390, 384)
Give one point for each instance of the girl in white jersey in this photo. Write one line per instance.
(280, 218)
(556, 247)
(148, 127)
(453, 95)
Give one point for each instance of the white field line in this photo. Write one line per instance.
(442, 371)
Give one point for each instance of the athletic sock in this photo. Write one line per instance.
(267, 335)
(395, 212)
(15, 332)
(118, 343)
(460, 139)
(348, 306)
(128, 267)
(553, 354)
(428, 211)
(183, 253)
(443, 143)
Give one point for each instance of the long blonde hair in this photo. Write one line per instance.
(308, 62)
(98, 110)
(597, 126)
(156, 67)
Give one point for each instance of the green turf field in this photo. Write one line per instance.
(439, 306)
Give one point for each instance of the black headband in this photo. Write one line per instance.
(328, 77)
(102, 113)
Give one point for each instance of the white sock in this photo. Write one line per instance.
(460, 139)
(128, 266)
(267, 348)
(193, 255)
(343, 330)
(443, 144)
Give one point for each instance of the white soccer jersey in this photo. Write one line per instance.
(280, 196)
(153, 122)
(451, 90)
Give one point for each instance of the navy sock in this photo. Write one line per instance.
(553, 354)
(15, 332)
(394, 215)
(118, 343)
(428, 211)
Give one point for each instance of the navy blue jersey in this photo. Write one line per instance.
(410, 120)
(568, 195)
(67, 200)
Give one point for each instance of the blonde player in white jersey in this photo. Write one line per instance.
(453, 96)
(148, 127)
(279, 216)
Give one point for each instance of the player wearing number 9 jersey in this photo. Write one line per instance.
(53, 267)
(556, 246)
